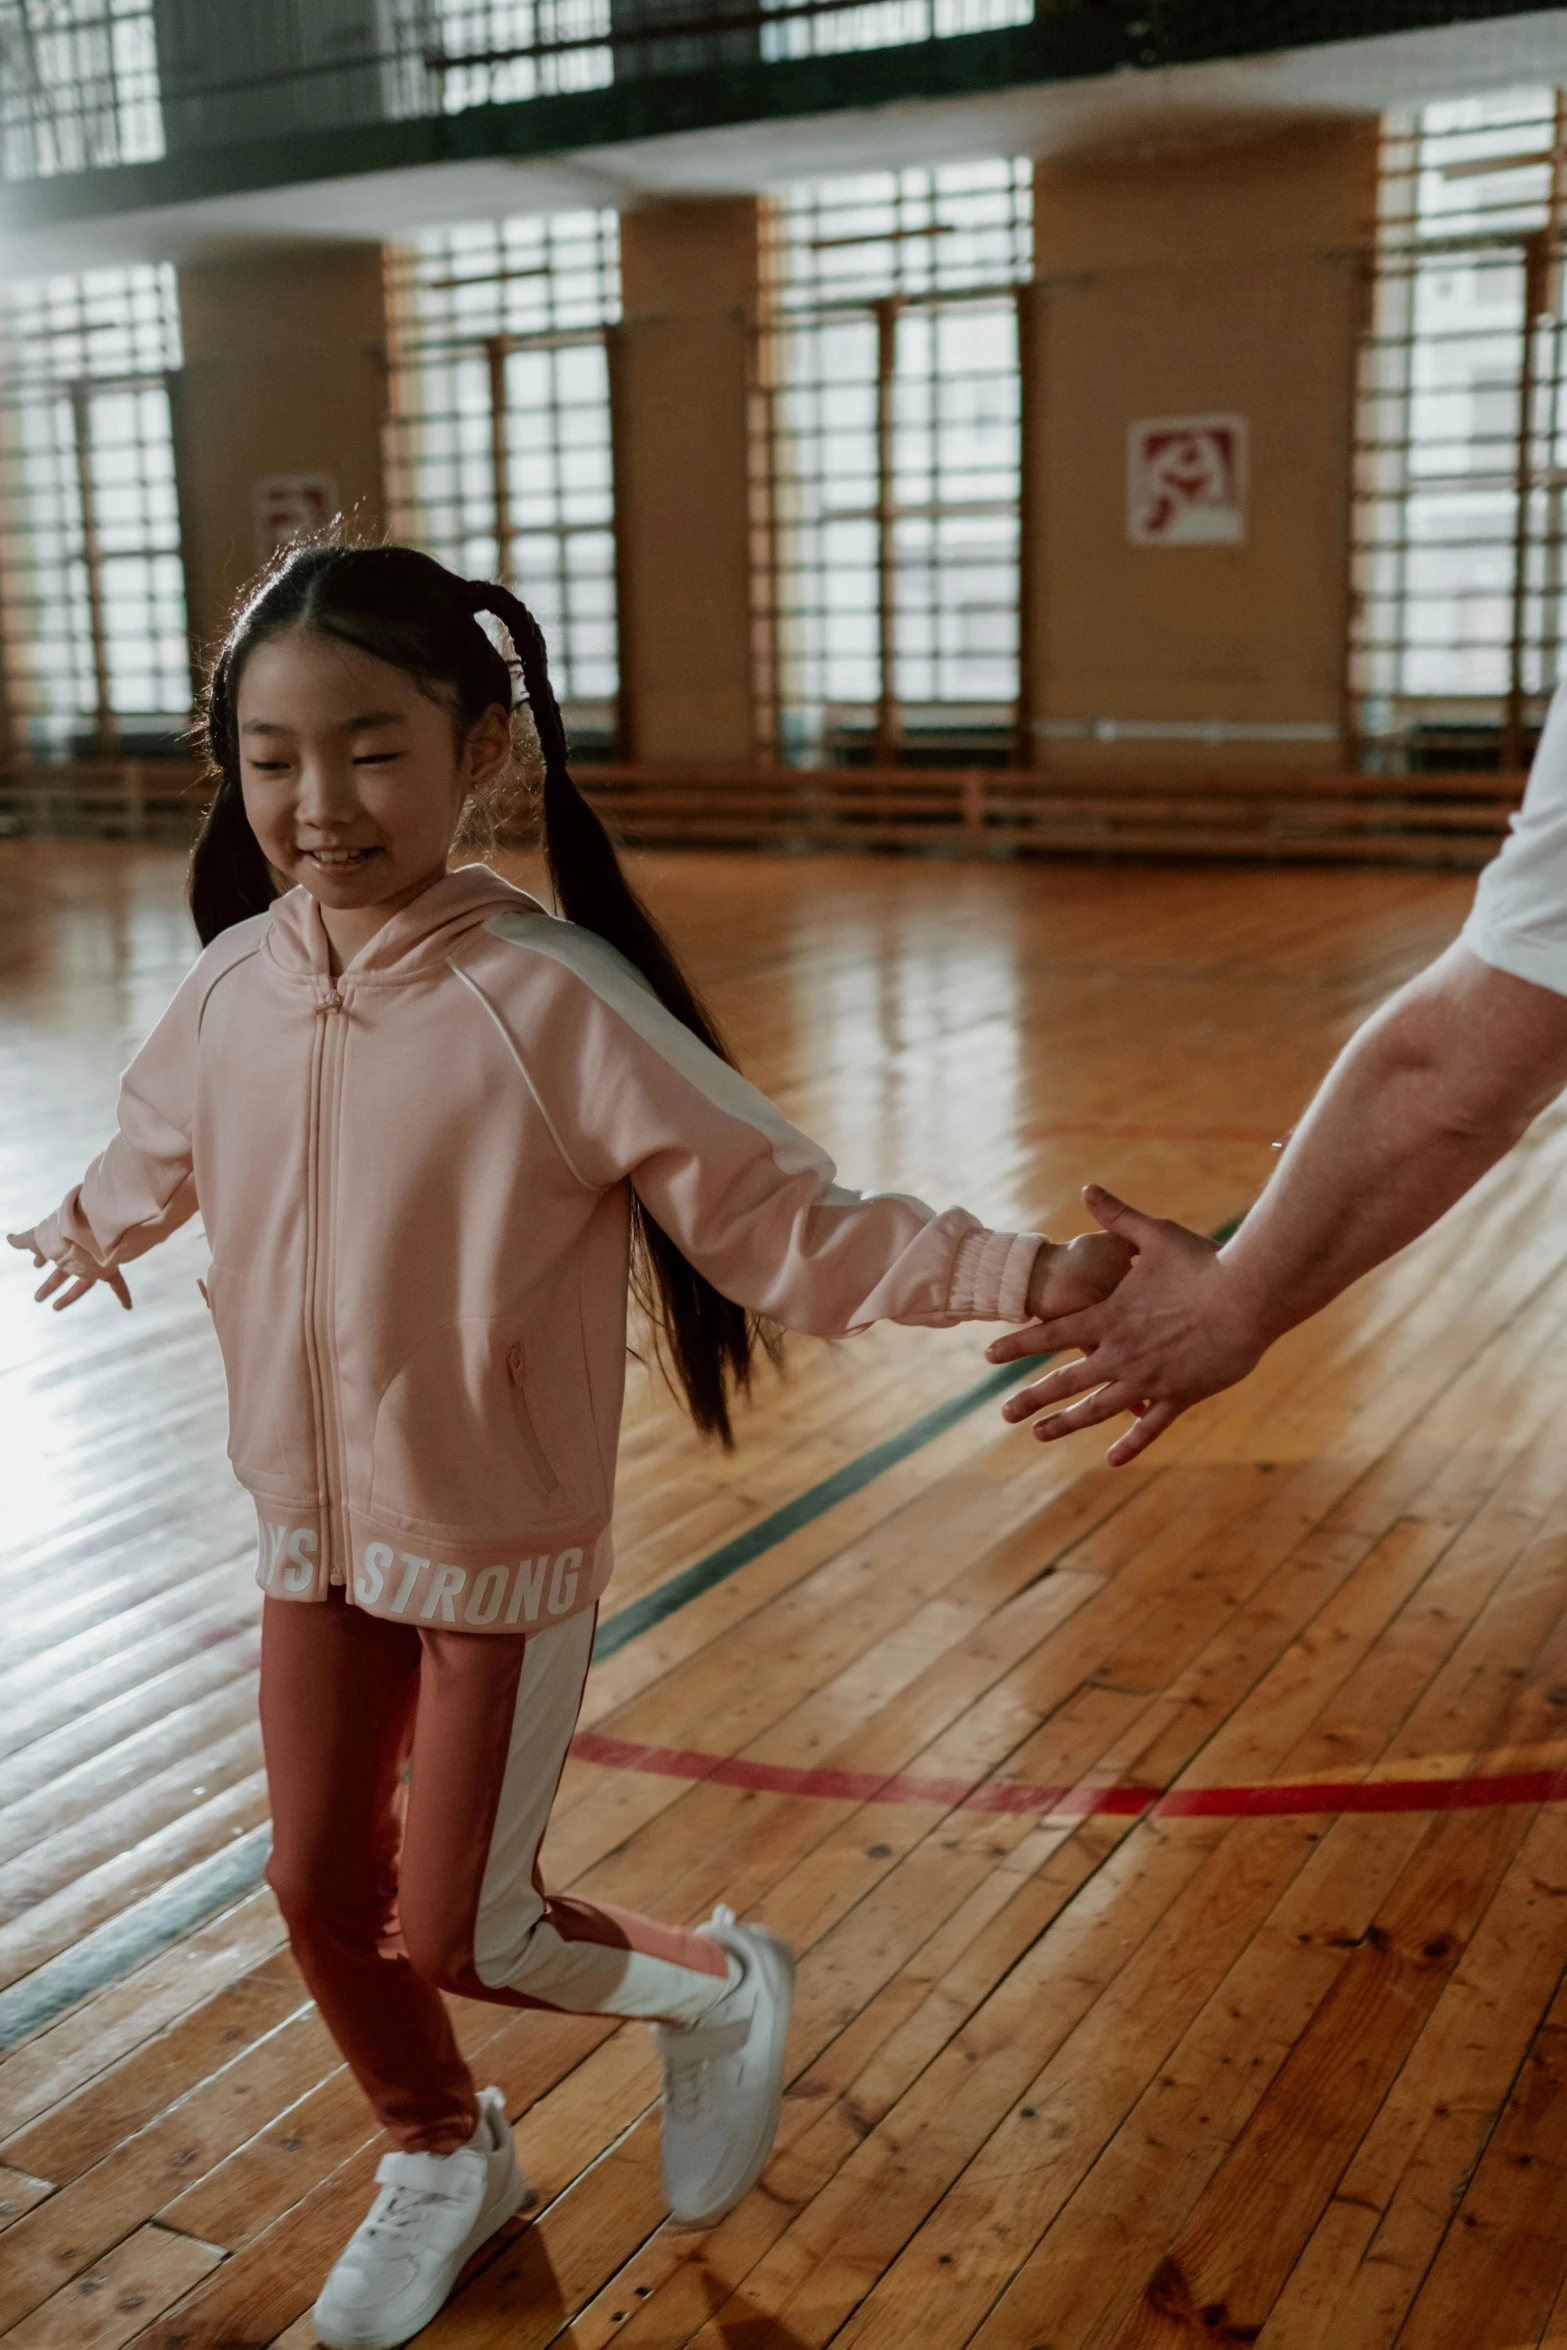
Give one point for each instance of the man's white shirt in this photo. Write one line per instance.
(1519, 919)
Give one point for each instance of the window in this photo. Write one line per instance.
(499, 459)
(1458, 539)
(91, 587)
(892, 400)
(804, 31)
(78, 86)
(493, 52)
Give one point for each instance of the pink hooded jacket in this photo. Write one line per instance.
(416, 1182)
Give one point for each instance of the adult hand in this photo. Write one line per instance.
(59, 1275)
(1178, 1328)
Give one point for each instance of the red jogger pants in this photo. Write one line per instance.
(397, 1883)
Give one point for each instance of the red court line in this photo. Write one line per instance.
(1082, 1799)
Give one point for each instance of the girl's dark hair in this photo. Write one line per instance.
(408, 610)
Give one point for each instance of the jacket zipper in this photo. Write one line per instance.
(525, 1428)
(320, 1341)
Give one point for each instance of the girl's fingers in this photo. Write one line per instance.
(80, 1282)
(1071, 1379)
(1148, 1429)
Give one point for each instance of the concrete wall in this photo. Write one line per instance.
(689, 279)
(1216, 281)
(284, 374)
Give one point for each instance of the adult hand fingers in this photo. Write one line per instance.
(46, 1288)
(1144, 1431)
(116, 1282)
(79, 1288)
(1045, 1338)
(1161, 1242)
(1116, 1215)
(1071, 1379)
(1108, 1404)
(25, 1240)
(1014, 1344)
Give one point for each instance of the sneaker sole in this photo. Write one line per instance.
(776, 1954)
(517, 2198)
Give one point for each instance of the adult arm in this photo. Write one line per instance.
(1432, 1091)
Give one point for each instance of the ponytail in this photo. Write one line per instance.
(230, 878)
(406, 609)
(711, 1340)
(590, 886)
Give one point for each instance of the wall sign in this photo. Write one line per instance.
(291, 506)
(1186, 481)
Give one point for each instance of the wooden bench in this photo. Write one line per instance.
(1455, 820)
(98, 799)
(1436, 819)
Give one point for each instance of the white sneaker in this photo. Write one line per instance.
(723, 2078)
(432, 2211)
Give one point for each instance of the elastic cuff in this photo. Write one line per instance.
(49, 1239)
(57, 1238)
(69, 1255)
(990, 1276)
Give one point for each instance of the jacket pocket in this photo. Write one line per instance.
(538, 1457)
(458, 1446)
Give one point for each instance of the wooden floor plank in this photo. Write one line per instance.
(127, 2015)
(197, 1830)
(113, 2302)
(73, 1778)
(19, 2191)
(1502, 2262)
(1373, 2246)
(149, 2171)
(87, 2125)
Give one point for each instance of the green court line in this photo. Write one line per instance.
(629, 1623)
(212, 1885)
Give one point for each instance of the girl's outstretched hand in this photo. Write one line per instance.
(80, 1283)
(1068, 1278)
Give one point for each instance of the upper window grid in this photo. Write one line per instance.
(94, 607)
(1458, 608)
(516, 312)
(922, 266)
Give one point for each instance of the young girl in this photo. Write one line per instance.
(432, 1129)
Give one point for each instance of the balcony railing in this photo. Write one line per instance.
(93, 84)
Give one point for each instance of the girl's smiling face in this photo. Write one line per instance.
(353, 777)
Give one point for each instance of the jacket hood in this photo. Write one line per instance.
(419, 936)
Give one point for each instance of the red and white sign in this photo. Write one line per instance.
(292, 506)
(1186, 481)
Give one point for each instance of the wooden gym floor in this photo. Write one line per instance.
(1178, 1858)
